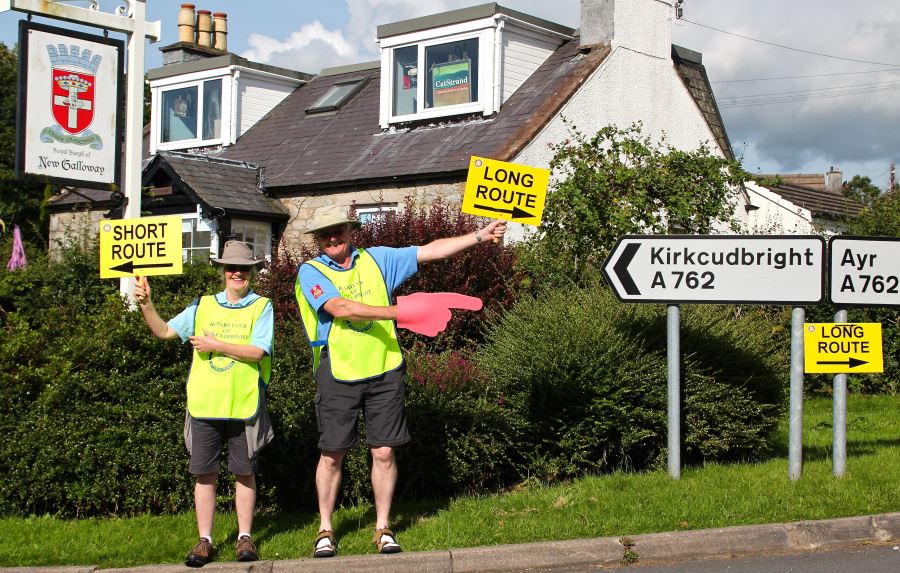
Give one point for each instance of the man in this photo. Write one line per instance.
(231, 333)
(345, 296)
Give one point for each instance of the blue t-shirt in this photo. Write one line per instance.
(183, 322)
(396, 266)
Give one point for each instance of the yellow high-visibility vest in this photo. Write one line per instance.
(220, 387)
(356, 350)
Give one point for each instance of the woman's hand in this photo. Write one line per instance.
(205, 343)
(142, 291)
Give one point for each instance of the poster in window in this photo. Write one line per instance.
(70, 102)
(451, 83)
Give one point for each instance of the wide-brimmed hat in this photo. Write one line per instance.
(330, 216)
(237, 253)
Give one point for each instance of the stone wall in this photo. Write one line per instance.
(303, 206)
(76, 227)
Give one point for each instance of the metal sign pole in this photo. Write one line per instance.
(839, 416)
(673, 355)
(795, 438)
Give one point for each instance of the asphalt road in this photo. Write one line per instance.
(874, 558)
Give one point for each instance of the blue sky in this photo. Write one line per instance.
(840, 113)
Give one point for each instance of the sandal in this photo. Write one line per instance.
(325, 545)
(385, 540)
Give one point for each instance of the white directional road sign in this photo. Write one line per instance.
(864, 271)
(718, 269)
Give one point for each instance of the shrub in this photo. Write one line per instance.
(589, 375)
(485, 271)
(464, 434)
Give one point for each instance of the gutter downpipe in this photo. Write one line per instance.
(498, 63)
(235, 76)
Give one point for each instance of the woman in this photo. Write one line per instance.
(231, 333)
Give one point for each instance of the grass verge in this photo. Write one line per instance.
(610, 505)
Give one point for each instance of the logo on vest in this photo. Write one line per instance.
(316, 291)
(359, 326)
(221, 363)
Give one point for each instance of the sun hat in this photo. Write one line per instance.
(237, 253)
(330, 216)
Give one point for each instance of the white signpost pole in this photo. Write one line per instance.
(134, 117)
(132, 20)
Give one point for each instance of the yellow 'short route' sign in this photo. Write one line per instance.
(508, 191)
(147, 246)
(842, 348)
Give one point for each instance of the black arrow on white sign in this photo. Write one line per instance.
(851, 362)
(515, 211)
(129, 266)
(621, 268)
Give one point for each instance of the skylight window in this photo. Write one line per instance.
(337, 96)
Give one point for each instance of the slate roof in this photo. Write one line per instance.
(299, 151)
(820, 203)
(228, 185)
(689, 65)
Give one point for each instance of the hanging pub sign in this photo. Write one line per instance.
(452, 82)
(71, 107)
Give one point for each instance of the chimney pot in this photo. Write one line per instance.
(204, 29)
(220, 25)
(186, 20)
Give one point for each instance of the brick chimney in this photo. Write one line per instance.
(641, 25)
(834, 179)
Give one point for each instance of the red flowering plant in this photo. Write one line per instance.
(486, 271)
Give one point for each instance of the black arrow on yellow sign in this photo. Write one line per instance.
(851, 362)
(515, 211)
(130, 266)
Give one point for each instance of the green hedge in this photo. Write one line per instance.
(588, 373)
(570, 382)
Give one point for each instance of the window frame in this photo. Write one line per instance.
(359, 84)
(374, 211)
(197, 221)
(198, 81)
(482, 30)
(254, 246)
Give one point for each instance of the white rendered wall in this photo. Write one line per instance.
(775, 215)
(628, 87)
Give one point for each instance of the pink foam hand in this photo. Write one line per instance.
(429, 312)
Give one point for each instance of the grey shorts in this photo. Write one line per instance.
(338, 405)
(206, 440)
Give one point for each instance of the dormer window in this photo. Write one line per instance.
(191, 115)
(460, 63)
(439, 77)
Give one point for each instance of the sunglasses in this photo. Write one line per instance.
(237, 268)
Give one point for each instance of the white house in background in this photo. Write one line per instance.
(483, 80)
(800, 203)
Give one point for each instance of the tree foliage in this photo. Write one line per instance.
(881, 218)
(20, 202)
(862, 189)
(618, 182)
